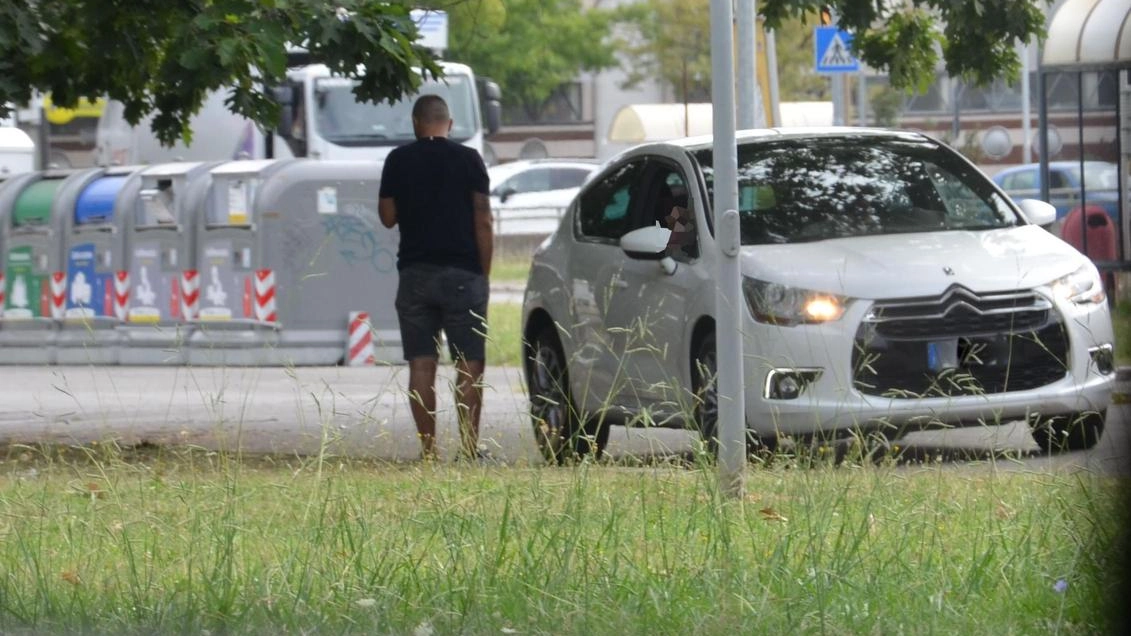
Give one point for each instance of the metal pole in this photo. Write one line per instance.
(774, 116)
(1026, 123)
(1080, 151)
(861, 100)
(747, 75)
(1043, 135)
(728, 298)
(838, 99)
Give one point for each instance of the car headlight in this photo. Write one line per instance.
(1082, 287)
(781, 305)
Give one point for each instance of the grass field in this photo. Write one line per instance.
(100, 540)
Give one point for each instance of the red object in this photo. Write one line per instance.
(1102, 236)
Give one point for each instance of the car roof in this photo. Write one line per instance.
(507, 170)
(704, 142)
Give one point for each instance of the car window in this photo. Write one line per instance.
(605, 208)
(815, 189)
(568, 178)
(533, 180)
(1059, 179)
(1020, 180)
(668, 205)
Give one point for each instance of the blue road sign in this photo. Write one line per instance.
(834, 51)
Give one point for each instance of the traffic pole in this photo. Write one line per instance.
(728, 298)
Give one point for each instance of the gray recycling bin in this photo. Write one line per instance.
(96, 276)
(286, 251)
(34, 274)
(160, 230)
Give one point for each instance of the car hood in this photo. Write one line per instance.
(923, 264)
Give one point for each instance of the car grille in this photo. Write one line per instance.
(959, 343)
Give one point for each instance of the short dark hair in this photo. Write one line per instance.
(431, 109)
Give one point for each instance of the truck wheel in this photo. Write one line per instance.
(703, 375)
(558, 428)
(1059, 433)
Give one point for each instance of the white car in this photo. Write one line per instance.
(889, 285)
(529, 196)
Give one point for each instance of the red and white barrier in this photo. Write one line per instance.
(190, 294)
(265, 296)
(121, 294)
(58, 296)
(359, 345)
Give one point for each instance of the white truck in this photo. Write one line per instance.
(320, 119)
(17, 151)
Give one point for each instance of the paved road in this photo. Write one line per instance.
(363, 411)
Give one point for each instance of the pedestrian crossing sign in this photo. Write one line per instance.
(834, 51)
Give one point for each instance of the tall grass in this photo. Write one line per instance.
(196, 542)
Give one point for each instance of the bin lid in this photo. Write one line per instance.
(96, 202)
(33, 207)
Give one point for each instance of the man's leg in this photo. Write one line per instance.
(469, 402)
(422, 401)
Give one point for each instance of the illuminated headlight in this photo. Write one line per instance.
(1082, 287)
(781, 305)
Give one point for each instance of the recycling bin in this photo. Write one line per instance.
(97, 282)
(34, 275)
(286, 250)
(159, 225)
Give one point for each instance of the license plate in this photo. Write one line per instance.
(942, 355)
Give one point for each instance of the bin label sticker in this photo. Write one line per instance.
(152, 285)
(222, 288)
(88, 292)
(328, 200)
(238, 202)
(23, 287)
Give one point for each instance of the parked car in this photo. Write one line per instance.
(888, 286)
(529, 196)
(1101, 185)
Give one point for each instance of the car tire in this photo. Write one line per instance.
(1074, 432)
(704, 368)
(558, 427)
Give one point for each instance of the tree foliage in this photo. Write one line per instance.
(530, 47)
(975, 39)
(165, 56)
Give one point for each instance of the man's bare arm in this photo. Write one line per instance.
(387, 210)
(484, 230)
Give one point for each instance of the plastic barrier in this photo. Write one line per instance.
(286, 250)
(160, 228)
(34, 277)
(97, 281)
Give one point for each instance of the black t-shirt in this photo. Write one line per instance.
(431, 181)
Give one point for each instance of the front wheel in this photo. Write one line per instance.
(562, 434)
(704, 372)
(1074, 432)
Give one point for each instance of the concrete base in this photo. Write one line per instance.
(158, 344)
(28, 342)
(80, 345)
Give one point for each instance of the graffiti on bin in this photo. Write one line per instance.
(357, 239)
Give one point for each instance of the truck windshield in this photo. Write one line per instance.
(341, 119)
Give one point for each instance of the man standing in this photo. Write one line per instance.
(437, 191)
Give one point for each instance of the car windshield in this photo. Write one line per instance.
(341, 119)
(793, 191)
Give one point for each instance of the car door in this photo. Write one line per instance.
(647, 312)
(606, 210)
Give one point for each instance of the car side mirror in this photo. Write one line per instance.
(1037, 212)
(646, 243)
(506, 194)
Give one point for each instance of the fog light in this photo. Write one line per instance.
(1104, 358)
(788, 384)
